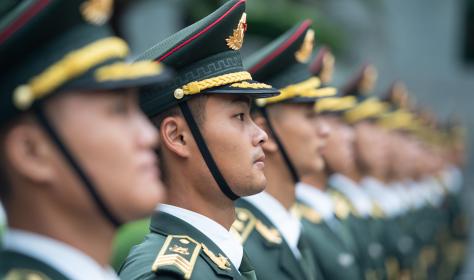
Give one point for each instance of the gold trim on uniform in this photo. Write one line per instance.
(272, 235)
(368, 80)
(303, 211)
(342, 207)
(221, 261)
(69, 67)
(304, 53)
(368, 108)
(243, 225)
(334, 104)
(250, 85)
(122, 70)
(198, 86)
(175, 252)
(307, 88)
(327, 70)
(236, 40)
(25, 274)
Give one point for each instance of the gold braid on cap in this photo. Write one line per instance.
(123, 70)
(69, 67)
(308, 88)
(334, 104)
(198, 86)
(369, 108)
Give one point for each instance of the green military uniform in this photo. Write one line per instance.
(269, 252)
(207, 60)
(175, 249)
(283, 63)
(48, 48)
(329, 237)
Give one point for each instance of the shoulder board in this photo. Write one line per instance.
(377, 211)
(243, 225)
(342, 207)
(270, 234)
(25, 274)
(305, 212)
(178, 255)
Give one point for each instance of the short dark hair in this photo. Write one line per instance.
(197, 106)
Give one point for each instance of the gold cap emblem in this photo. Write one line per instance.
(368, 80)
(327, 69)
(303, 54)
(97, 12)
(236, 40)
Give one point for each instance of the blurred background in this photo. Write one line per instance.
(428, 44)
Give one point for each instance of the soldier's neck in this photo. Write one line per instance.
(87, 232)
(280, 184)
(317, 180)
(184, 192)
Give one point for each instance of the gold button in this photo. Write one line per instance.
(23, 97)
(178, 93)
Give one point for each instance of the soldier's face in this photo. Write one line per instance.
(372, 148)
(235, 142)
(302, 135)
(339, 152)
(113, 142)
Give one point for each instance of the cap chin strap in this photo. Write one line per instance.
(211, 164)
(286, 158)
(86, 182)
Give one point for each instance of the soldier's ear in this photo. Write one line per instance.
(268, 146)
(175, 136)
(29, 152)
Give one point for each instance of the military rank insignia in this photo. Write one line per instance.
(304, 212)
(236, 40)
(178, 254)
(342, 207)
(25, 274)
(306, 49)
(221, 261)
(243, 225)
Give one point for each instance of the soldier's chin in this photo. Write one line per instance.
(258, 186)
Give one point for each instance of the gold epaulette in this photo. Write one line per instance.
(178, 254)
(243, 225)
(305, 212)
(25, 274)
(377, 211)
(342, 207)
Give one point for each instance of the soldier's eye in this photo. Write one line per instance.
(240, 116)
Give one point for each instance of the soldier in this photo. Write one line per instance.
(271, 234)
(330, 238)
(77, 154)
(211, 152)
(352, 206)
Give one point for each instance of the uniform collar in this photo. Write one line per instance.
(213, 230)
(359, 199)
(316, 199)
(64, 258)
(386, 197)
(287, 224)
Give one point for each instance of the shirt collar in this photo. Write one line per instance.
(213, 230)
(64, 258)
(353, 192)
(316, 199)
(287, 224)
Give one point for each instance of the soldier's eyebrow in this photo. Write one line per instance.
(241, 99)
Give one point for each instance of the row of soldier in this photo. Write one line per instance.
(266, 169)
